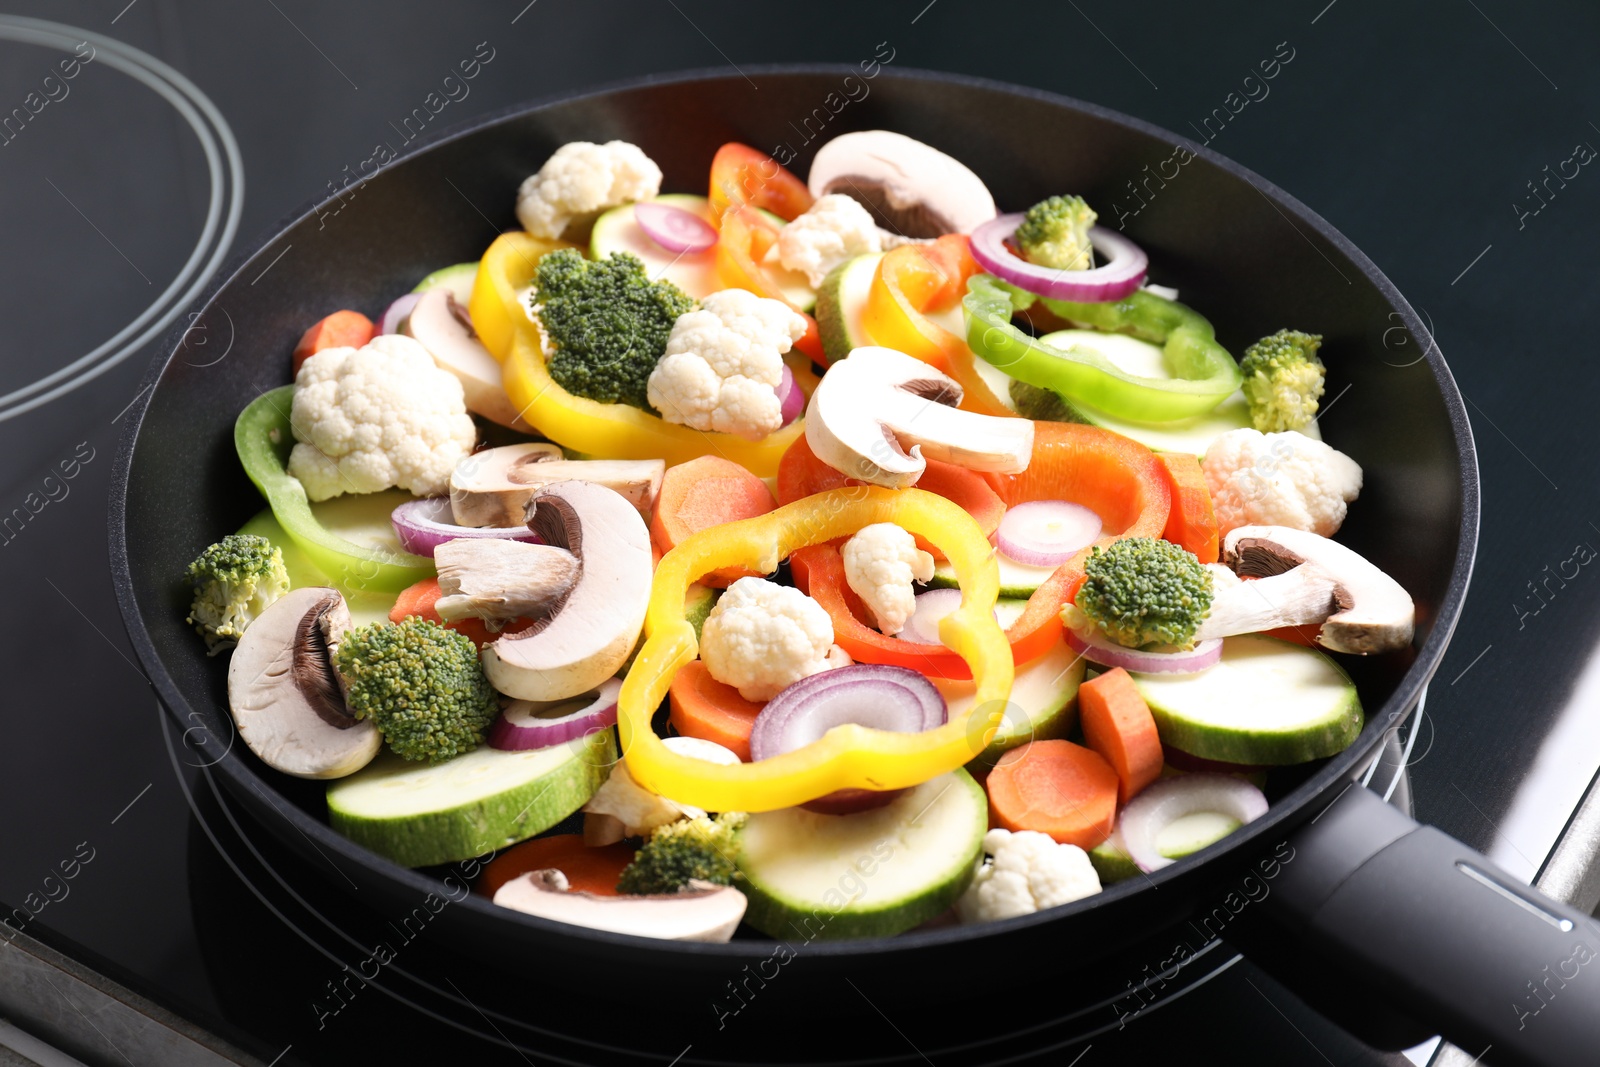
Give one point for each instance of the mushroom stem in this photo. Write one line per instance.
(700, 912)
(498, 581)
(1304, 596)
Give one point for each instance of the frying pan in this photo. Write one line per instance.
(1392, 928)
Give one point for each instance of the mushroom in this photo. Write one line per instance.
(286, 696)
(875, 404)
(1304, 579)
(701, 911)
(441, 325)
(493, 487)
(911, 188)
(586, 635)
(496, 580)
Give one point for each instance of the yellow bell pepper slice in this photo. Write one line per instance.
(616, 431)
(912, 279)
(849, 756)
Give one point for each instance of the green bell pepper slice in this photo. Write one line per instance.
(1204, 374)
(263, 438)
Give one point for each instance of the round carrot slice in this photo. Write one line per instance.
(589, 870)
(1057, 788)
(710, 710)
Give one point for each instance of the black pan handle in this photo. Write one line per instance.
(1425, 925)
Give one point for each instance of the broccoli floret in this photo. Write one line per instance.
(608, 324)
(1055, 233)
(1041, 404)
(1283, 380)
(234, 581)
(421, 684)
(1145, 591)
(702, 848)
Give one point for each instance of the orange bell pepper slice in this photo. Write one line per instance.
(913, 280)
(742, 175)
(744, 239)
(1120, 479)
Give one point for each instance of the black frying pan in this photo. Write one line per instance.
(1333, 889)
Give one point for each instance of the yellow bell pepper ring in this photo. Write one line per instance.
(849, 756)
(616, 431)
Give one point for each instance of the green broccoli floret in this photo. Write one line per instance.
(1055, 233)
(703, 848)
(608, 324)
(1041, 404)
(1145, 591)
(421, 684)
(1283, 380)
(234, 581)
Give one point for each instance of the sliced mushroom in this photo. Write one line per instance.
(497, 581)
(442, 326)
(911, 188)
(587, 635)
(880, 414)
(286, 696)
(493, 487)
(621, 807)
(1303, 579)
(700, 912)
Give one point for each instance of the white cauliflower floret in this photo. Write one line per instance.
(1030, 872)
(584, 178)
(724, 363)
(377, 417)
(639, 810)
(762, 637)
(1279, 479)
(880, 563)
(832, 230)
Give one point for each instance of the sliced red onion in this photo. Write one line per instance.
(676, 230)
(790, 397)
(868, 694)
(424, 524)
(1097, 648)
(1163, 802)
(1121, 274)
(1046, 533)
(396, 313)
(525, 724)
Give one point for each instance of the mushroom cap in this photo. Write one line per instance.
(1369, 611)
(912, 189)
(442, 326)
(493, 487)
(285, 695)
(589, 632)
(700, 912)
(879, 415)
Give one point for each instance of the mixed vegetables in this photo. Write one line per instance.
(841, 556)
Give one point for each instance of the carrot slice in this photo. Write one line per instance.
(702, 493)
(589, 870)
(419, 599)
(1117, 724)
(1057, 788)
(1191, 523)
(706, 708)
(801, 473)
(341, 329)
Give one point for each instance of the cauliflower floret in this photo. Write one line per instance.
(584, 178)
(1030, 872)
(377, 417)
(880, 563)
(1279, 479)
(832, 230)
(723, 365)
(762, 637)
(639, 810)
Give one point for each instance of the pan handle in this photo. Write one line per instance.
(1438, 932)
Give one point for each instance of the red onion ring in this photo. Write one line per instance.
(525, 724)
(424, 524)
(868, 694)
(678, 231)
(1097, 648)
(1046, 533)
(1121, 274)
(395, 313)
(791, 399)
(1163, 802)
